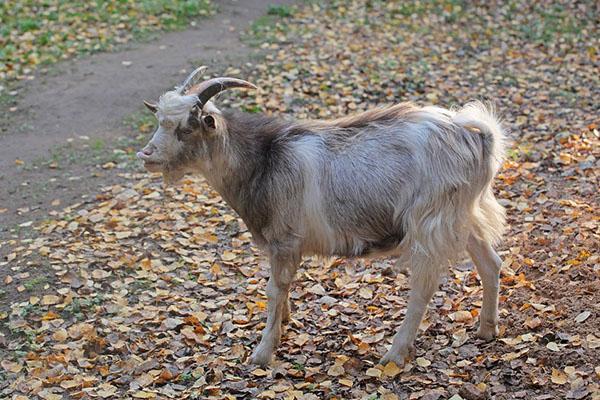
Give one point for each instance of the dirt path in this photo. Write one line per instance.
(91, 96)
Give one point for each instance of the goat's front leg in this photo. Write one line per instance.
(424, 282)
(283, 269)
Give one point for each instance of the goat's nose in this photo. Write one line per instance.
(148, 150)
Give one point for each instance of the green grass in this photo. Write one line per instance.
(547, 24)
(35, 283)
(143, 121)
(265, 29)
(282, 11)
(34, 32)
(78, 308)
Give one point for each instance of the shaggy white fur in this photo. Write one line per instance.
(174, 108)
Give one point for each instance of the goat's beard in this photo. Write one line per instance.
(172, 176)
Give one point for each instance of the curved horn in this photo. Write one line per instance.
(152, 107)
(207, 89)
(189, 80)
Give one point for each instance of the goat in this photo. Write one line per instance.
(406, 181)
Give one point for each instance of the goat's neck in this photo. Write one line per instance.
(239, 163)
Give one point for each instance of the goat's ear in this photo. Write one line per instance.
(209, 121)
(151, 107)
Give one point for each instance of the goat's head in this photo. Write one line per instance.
(189, 125)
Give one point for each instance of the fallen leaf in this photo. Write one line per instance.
(374, 372)
(391, 369)
(461, 316)
(582, 316)
(50, 299)
(422, 362)
(336, 370)
(558, 377)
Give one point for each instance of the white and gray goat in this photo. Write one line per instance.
(406, 181)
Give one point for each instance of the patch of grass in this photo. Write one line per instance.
(98, 145)
(282, 11)
(253, 109)
(186, 378)
(142, 121)
(262, 30)
(34, 32)
(35, 282)
(23, 341)
(298, 366)
(29, 309)
(6, 102)
(551, 23)
(79, 307)
(141, 285)
(265, 29)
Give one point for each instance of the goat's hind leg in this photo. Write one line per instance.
(283, 269)
(424, 280)
(488, 265)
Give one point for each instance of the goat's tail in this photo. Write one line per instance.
(479, 116)
(489, 221)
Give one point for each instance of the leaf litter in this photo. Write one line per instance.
(160, 293)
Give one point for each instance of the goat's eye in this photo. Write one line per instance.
(182, 131)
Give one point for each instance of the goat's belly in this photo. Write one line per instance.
(351, 247)
(385, 246)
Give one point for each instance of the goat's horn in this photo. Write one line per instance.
(152, 107)
(207, 89)
(189, 80)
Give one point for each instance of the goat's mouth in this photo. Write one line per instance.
(150, 164)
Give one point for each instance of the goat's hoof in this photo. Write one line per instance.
(398, 356)
(487, 332)
(260, 357)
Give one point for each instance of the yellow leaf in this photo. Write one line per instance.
(391, 369)
(346, 382)
(365, 293)
(50, 299)
(374, 372)
(259, 372)
(558, 377)
(228, 256)
(461, 316)
(423, 362)
(336, 370)
(106, 390)
(140, 394)
(69, 384)
(267, 394)
(60, 335)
